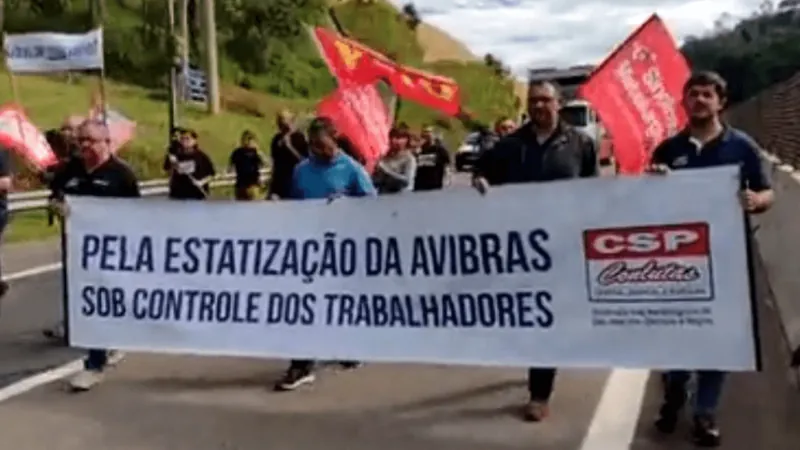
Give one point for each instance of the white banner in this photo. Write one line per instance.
(54, 52)
(630, 272)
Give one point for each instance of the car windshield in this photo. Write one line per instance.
(577, 115)
(472, 139)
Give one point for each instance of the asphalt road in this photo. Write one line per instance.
(166, 402)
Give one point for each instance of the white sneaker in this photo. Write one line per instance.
(114, 357)
(85, 380)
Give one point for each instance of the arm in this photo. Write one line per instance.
(589, 160)
(130, 185)
(207, 171)
(405, 178)
(758, 188)
(299, 143)
(362, 183)
(5, 172)
(295, 192)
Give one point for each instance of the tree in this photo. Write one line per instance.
(412, 15)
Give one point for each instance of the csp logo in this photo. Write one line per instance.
(653, 263)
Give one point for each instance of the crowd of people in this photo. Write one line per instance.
(319, 163)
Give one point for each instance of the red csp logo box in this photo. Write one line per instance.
(657, 263)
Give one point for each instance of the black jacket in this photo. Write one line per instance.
(519, 158)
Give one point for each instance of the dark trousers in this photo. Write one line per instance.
(541, 383)
(305, 365)
(96, 360)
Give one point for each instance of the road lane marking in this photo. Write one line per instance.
(617, 414)
(48, 376)
(32, 272)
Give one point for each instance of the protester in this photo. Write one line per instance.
(70, 166)
(190, 169)
(5, 187)
(433, 163)
(327, 173)
(104, 175)
(545, 149)
(707, 142)
(247, 161)
(288, 148)
(396, 170)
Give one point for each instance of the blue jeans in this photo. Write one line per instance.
(708, 390)
(96, 360)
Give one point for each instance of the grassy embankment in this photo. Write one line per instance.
(296, 78)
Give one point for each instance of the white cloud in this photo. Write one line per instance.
(561, 33)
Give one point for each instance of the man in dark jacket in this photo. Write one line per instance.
(287, 149)
(544, 149)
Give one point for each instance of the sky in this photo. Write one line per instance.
(561, 33)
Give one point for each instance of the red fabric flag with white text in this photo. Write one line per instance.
(19, 134)
(359, 113)
(637, 93)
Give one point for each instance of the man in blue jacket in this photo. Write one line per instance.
(327, 173)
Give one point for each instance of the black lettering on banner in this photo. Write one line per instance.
(522, 309)
(111, 253)
(177, 305)
(102, 301)
(290, 309)
(483, 253)
(382, 257)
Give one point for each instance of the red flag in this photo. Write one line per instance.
(637, 93)
(359, 113)
(120, 128)
(20, 135)
(353, 63)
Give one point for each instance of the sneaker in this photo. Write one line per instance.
(295, 378)
(705, 432)
(56, 333)
(667, 420)
(115, 357)
(351, 365)
(85, 380)
(535, 411)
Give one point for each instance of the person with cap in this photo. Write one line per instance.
(104, 175)
(327, 173)
(396, 170)
(287, 149)
(190, 169)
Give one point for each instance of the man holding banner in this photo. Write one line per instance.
(707, 142)
(327, 173)
(544, 149)
(105, 175)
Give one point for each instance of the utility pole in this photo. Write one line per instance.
(173, 94)
(212, 66)
(184, 31)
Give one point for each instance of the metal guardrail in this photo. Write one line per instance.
(32, 200)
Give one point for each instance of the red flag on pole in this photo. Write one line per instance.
(637, 93)
(359, 113)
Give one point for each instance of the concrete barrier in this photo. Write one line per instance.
(778, 242)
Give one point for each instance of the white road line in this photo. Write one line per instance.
(32, 272)
(48, 376)
(40, 379)
(617, 415)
